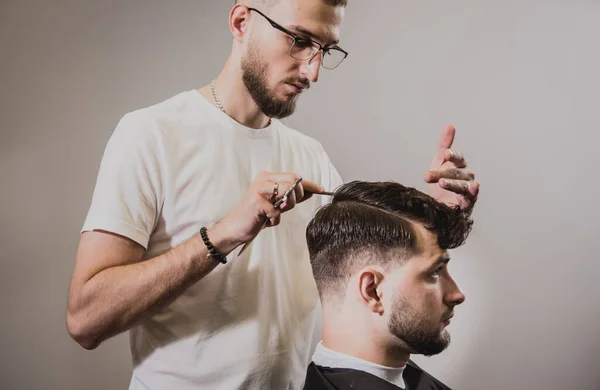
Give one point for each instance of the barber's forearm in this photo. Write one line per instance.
(118, 298)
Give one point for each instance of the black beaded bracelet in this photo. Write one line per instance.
(211, 249)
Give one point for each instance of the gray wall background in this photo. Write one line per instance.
(519, 79)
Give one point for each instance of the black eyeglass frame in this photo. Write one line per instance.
(297, 39)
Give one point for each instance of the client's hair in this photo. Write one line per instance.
(367, 222)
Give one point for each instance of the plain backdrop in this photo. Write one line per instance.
(518, 79)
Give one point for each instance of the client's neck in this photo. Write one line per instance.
(345, 333)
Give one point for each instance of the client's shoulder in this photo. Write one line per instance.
(417, 378)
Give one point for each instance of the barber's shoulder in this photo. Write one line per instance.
(157, 119)
(154, 124)
(136, 127)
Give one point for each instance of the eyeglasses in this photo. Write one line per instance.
(305, 49)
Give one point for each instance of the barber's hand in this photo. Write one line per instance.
(451, 181)
(246, 220)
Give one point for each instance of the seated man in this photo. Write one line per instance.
(379, 257)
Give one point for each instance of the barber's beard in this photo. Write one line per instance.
(254, 74)
(417, 332)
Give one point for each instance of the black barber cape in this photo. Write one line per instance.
(325, 378)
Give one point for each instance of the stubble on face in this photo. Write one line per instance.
(255, 76)
(425, 336)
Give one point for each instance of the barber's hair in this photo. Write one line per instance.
(268, 3)
(373, 223)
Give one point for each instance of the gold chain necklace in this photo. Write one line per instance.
(218, 102)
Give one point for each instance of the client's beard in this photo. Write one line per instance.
(406, 325)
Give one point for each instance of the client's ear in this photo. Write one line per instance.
(370, 281)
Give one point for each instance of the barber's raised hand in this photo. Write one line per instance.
(247, 219)
(451, 181)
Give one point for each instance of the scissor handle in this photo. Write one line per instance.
(276, 205)
(287, 193)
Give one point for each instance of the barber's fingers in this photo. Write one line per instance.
(268, 211)
(309, 188)
(474, 190)
(435, 175)
(455, 157)
(270, 193)
(461, 187)
(304, 189)
(290, 202)
(278, 176)
(274, 221)
(272, 190)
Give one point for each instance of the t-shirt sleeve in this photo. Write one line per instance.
(128, 194)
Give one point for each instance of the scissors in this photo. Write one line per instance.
(278, 203)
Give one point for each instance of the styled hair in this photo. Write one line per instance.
(373, 223)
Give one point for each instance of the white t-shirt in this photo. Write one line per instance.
(254, 322)
(326, 357)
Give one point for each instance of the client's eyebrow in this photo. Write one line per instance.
(303, 31)
(440, 260)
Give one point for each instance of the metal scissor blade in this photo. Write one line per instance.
(325, 193)
(276, 205)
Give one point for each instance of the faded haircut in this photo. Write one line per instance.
(373, 223)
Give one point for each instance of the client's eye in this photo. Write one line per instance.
(437, 271)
